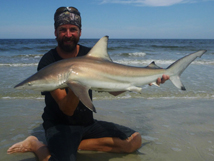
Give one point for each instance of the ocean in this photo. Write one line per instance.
(153, 113)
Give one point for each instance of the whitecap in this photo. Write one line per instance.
(148, 138)
(176, 149)
(141, 54)
(18, 64)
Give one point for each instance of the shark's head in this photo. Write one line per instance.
(27, 85)
(32, 85)
(35, 83)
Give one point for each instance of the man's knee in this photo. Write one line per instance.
(134, 143)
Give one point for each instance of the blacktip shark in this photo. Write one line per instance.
(98, 72)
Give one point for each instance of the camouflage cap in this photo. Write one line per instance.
(67, 15)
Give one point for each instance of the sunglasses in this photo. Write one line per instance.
(69, 9)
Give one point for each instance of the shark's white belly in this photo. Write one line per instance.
(108, 83)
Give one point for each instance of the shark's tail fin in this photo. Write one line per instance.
(177, 68)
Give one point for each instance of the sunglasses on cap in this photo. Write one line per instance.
(68, 9)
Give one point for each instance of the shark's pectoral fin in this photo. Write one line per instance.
(82, 93)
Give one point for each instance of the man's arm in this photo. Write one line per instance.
(67, 102)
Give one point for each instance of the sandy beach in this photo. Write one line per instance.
(172, 129)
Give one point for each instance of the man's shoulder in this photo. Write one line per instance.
(47, 59)
(49, 54)
(83, 50)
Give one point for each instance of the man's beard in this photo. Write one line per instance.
(69, 47)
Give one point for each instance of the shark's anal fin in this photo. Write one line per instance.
(154, 83)
(82, 93)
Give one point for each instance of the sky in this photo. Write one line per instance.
(141, 19)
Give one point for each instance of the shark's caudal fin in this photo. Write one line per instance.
(177, 68)
(100, 49)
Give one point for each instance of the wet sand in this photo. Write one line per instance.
(172, 129)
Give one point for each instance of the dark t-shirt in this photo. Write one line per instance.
(52, 114)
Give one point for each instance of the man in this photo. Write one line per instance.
(68, 124)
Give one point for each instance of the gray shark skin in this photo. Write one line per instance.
(96, 71)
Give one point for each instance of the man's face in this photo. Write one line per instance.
(67, 37)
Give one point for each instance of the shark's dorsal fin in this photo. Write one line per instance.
(153, 66)
(100, 49)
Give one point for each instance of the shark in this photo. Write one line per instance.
(97, 71)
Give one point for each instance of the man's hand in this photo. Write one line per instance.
(161, 80)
